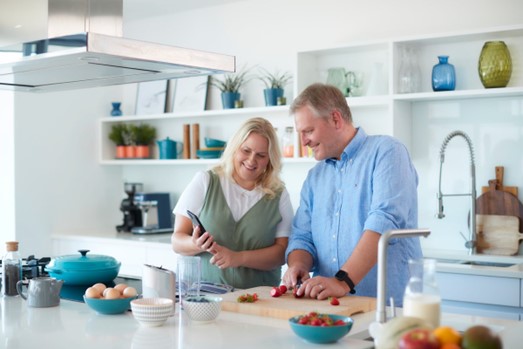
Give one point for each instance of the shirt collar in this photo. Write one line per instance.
(352, 148)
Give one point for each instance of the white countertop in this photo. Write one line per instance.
(73, 324)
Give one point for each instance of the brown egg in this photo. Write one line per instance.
(120, 287)
(100, 287)
(111, 293)
(107, 290)
(92, 292)
(129, 292)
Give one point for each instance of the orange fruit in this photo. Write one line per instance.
(450, 346)
(447, 335)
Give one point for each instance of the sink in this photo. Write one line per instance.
(489, 264)
(478, 263)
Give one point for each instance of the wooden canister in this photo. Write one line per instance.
(186, 141)
(195, 140)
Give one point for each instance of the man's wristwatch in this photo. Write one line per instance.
(342, 275)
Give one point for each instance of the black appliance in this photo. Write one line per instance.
(132, 214)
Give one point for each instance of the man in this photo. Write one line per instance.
(362, 187)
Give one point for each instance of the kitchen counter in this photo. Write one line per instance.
(73, 324)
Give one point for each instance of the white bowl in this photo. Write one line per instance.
(202, 308)
(151, 312)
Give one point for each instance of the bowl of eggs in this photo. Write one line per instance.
(110, 300)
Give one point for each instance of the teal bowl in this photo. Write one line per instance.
(109, 306)
(214, 143)
(322, 334)
(209, 154)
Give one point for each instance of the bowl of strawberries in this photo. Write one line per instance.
(321, 328)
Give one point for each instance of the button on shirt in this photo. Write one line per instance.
(372, 187)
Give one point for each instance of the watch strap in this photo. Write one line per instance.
(342, 275)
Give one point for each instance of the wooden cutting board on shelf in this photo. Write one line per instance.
(287, 306)
(498, 235)
(500, 171)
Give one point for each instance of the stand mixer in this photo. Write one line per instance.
(132, 214)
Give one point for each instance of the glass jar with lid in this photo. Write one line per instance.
(288, 142)
(11, 269)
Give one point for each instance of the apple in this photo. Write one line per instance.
(419, 338)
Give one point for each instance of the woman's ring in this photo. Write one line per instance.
(320, 286)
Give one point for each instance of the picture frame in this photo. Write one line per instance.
(190, 94)
(151, 97)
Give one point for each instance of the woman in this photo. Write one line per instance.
(245, 208)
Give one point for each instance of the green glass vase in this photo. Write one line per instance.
(495, 64)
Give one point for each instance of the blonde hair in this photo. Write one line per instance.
(270, 180)
(322, 99)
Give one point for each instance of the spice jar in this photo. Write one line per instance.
(288, 142)
(11, 269)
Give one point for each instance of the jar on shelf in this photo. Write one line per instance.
(288, 142)
(409, 76)
(443, 75)
(422, 298)
(495, 64)
(11, 269)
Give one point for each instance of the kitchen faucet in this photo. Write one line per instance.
(381, 315)
(471, 242)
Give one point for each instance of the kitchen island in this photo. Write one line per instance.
(75, 325)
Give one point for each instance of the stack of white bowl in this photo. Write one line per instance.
(151, 312)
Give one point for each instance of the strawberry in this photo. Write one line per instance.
(334, 301)
(283, 289)
(275, 292)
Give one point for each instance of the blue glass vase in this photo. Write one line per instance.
(443, 75)
(116, 109)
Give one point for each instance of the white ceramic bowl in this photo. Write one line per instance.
(151, 312)
(202, 308)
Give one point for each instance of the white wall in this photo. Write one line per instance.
(60, 187)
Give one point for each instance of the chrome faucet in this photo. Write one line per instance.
(381, 315)
(471, 242)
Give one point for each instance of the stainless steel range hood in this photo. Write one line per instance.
(85, 48)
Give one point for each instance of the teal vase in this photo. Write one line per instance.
(116, 111)
(229, 98)
(443, 75)
(495, 64)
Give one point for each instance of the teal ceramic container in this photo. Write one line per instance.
(271, 96)
(109, 306)
(322, 334)
(229, 98)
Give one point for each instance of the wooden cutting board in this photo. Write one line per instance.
(496, 202)
(498, 235)
(498, 182)
(286, 306)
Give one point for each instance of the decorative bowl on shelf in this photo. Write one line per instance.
(214, 143)
(317, 333)
(209, 153)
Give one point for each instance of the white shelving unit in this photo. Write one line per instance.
(380, 110)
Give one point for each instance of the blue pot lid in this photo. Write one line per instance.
(83, 262)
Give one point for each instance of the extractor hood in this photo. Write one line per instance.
(85, 48)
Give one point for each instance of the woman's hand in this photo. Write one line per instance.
(224, 257)
(204, 241)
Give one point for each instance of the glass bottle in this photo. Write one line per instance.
(495, 64)
(443, 75)
(409, 72)
(422, 298)
(11, 269)
(288, 142)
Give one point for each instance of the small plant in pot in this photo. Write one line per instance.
(274, 86)
(129, 136)
(230, 87)
(117, 136)
(144, 137)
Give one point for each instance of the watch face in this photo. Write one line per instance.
(340, 275)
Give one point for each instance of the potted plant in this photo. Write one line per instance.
(144, 137)
(230, 87)
(274, 86)
(117, 136)
(129, 137)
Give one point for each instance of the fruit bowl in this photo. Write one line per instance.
(321, 334)
(152, 312)
(202, 308)
(109, 306)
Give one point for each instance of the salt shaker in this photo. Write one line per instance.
(11, 269)
(422, 298)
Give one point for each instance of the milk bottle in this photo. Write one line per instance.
(422, 298)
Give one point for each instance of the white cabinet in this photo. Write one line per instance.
(481, 295)
(383, 110)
